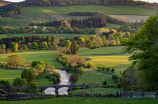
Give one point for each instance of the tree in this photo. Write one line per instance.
(15, 61)
(44, 44)
(67, 43)
(39, 67)
(34, 45)
(14, 46)
(3, 46)
(146, 42)
(113, 42)
(19, 82)
(29, 74)
(25, 47)
(34, 63)
(33, 87)
(73, 48)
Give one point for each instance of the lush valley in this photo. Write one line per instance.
(107, 45)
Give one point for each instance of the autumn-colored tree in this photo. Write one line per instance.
(73, 48)
(15, 61)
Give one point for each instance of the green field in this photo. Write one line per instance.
(103, 56)
(43, 81)
(10, 74)
(46, 56)
(50, 35)
(60, 13)
(91, 100)
(110, 25)
(106, 57)
(26, 19)
(95, 77)
(129, 10)
(96, 90)
(100, 51)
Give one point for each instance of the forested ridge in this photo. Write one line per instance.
(16, 8)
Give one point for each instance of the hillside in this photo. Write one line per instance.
(30, 14)
(2, 3)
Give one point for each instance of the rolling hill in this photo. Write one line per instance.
(2, 3)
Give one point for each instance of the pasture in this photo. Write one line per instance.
(128, 10)
(100, 51)
(46, 56)
(112, 57)
(50, 35)
(104, 57)
(95, 77)
(10, 74)
(26, 19)
(96, 90)
(90, 100)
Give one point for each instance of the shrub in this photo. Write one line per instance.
(54, 79)
(73, 78)
(115, 77)
(104, 86)
(89, 65)
(20, 82)
(104, 83)
(85, 64)
(118, 85)
(52, 68)
(79, 70)
(107, 69)
(95, 46)
(113, 70)
(39, 67)
(33, 87)
(99, 67)
(56, 74)
(103, 68)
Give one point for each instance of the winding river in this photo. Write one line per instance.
(64, 80)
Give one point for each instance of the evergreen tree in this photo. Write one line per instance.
(73, 48)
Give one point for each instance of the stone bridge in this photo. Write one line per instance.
(42, 88)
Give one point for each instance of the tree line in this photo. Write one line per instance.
(94, 22)
(103, 37)
(108, 18)
(10, 10)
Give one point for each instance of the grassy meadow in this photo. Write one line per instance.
(90, 100)
(102, 56)
(46, 56)
(100, 51)
(129, 10)
(45, 35)
(96, 90)
(10, 74)
(112, 57)
(30, 14)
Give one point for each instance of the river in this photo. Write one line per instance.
(64, 80)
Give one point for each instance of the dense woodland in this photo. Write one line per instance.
(94, 22)
(108, 18)
(16, 8)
